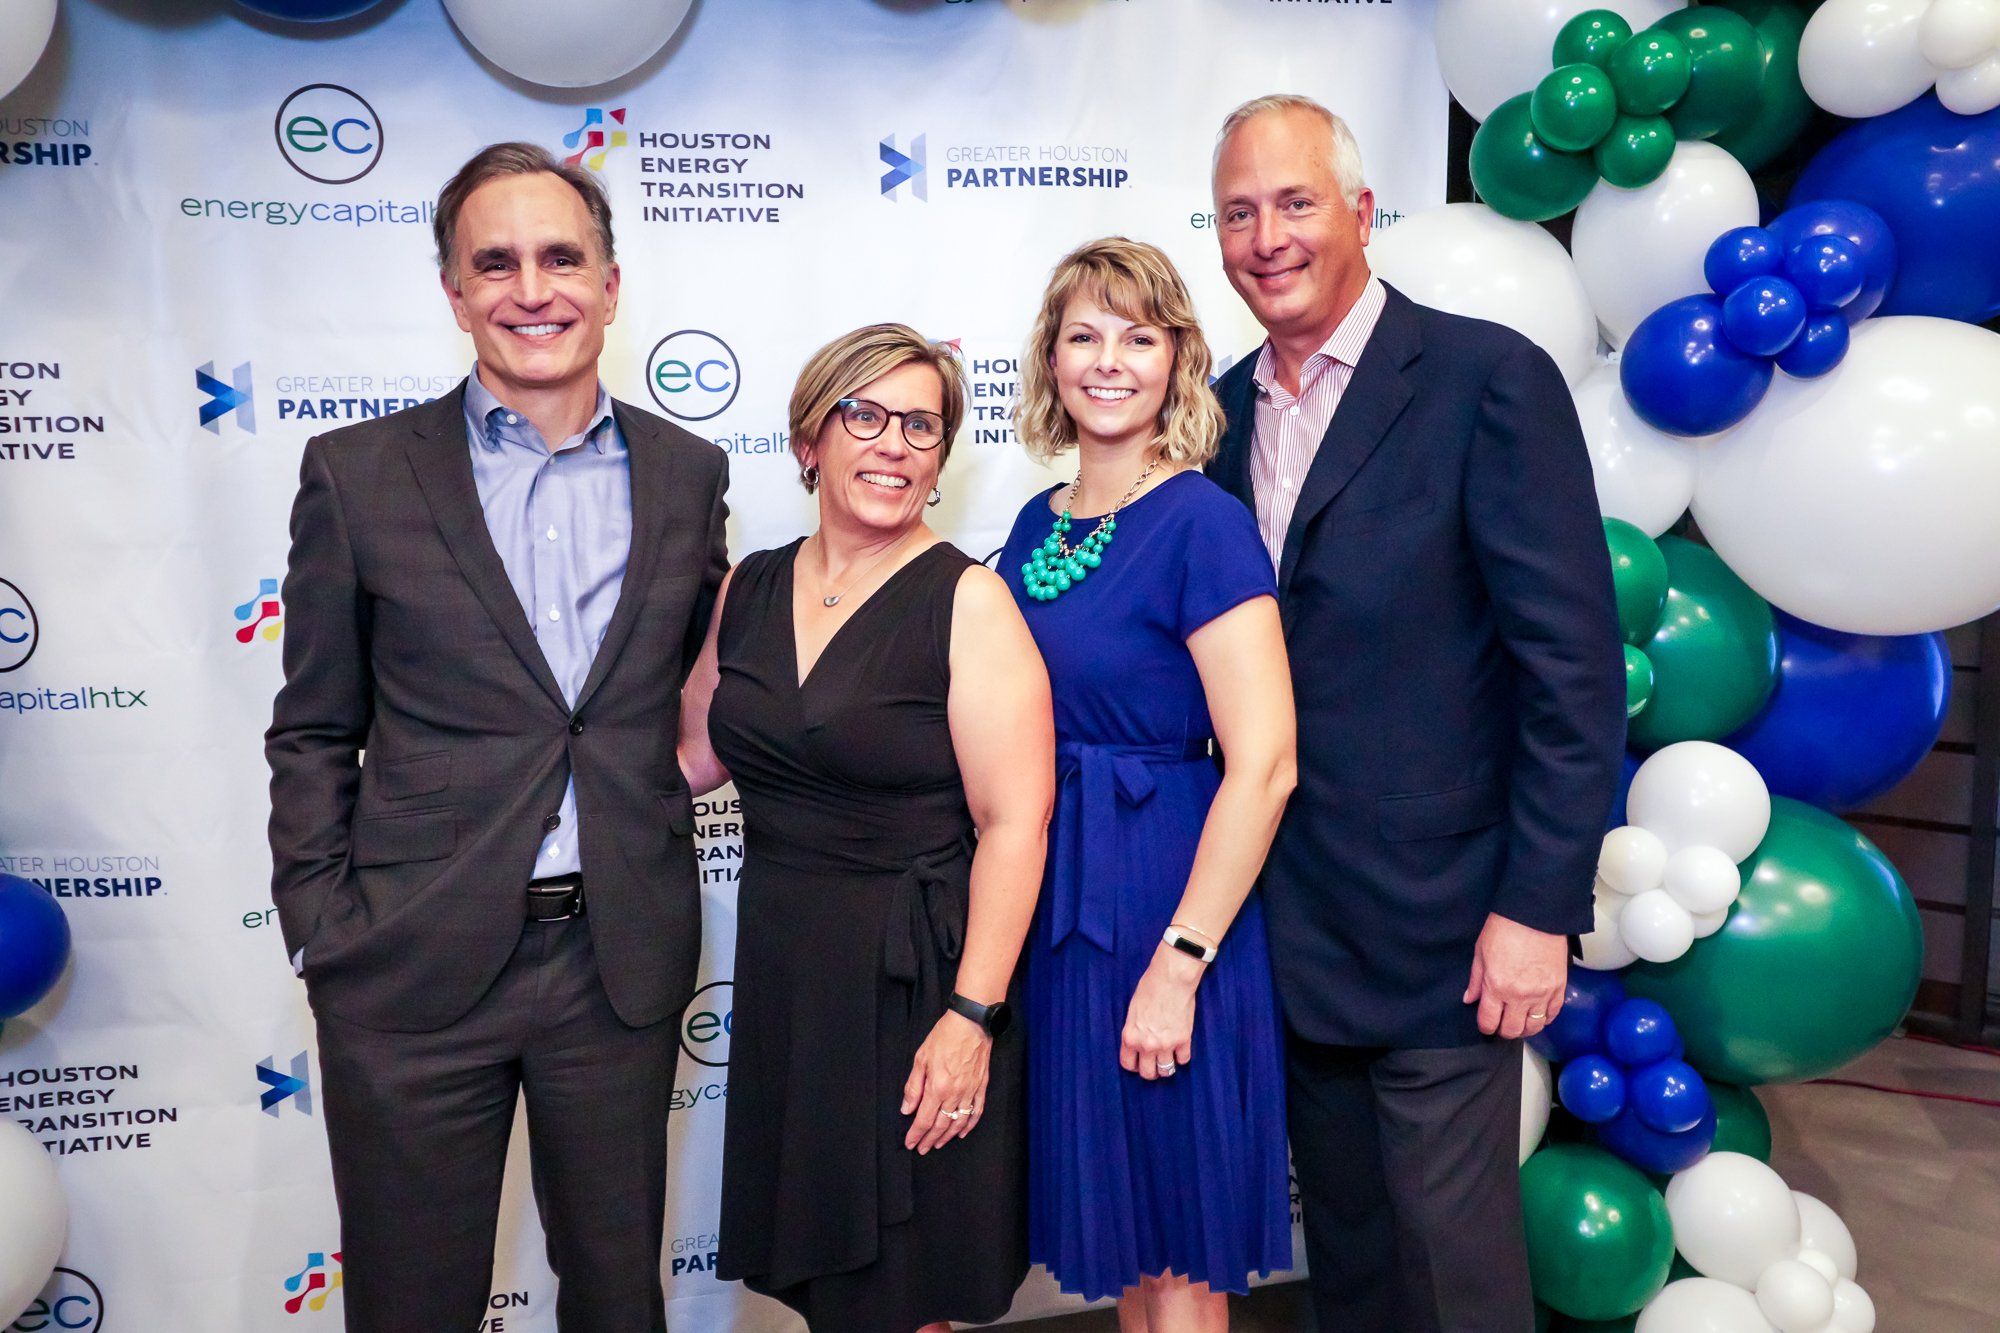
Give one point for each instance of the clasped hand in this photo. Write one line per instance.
(1159, 1023)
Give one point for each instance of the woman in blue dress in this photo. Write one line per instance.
(1157, 1159)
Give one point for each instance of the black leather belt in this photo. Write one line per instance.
(557, 898)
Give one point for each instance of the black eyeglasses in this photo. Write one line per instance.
(865, 420)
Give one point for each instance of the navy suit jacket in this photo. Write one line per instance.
(1447, 603)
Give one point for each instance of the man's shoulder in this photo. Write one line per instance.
(1469, 345)
(386, 432)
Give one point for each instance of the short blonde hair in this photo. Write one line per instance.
(1135, 281)
(1343, 152)
(862, 357)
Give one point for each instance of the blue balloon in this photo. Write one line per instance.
(34, 944)
(1578, 1027)
(1740, 254)
(1683, 376)
(1592, 1088)
(1827, 269)
(1649, 1150)
(1851, 716)
(1935, 179)
(1764, 315)
(308, 11)
(1669, 1097)
(1863, 226)
(1817, 349)
(1641, 1032)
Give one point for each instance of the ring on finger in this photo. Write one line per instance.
(953, 1115)
(1166, 1066)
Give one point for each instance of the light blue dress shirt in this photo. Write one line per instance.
(561, 519)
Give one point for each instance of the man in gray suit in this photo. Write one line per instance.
(497, 596)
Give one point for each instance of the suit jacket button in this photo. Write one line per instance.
(552, 823)
(576, 726)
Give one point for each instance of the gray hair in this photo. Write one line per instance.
(1343, 153)
(515, 159)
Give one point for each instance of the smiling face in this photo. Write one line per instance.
(880, 485)
(1292, 246)
(1111, 373)
(529, 285)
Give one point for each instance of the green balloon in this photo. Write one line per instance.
(1599, 1241)
(1725, 70)
(1818, 961)
(1650, 72)
(1518, 175)
(1573, 107)
(1591, 37)
(1635, 152)
(1715, 655)
(1638, 681)
(1782, 108)
(1638, 576)
(1740, 1122)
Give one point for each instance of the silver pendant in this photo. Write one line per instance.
(830, 601)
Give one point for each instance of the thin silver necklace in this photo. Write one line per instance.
(834, 599)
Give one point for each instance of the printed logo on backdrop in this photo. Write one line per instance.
(1203, 219)
(20, 634)
(1005, 170)
(692, 1254)
(693, 375)
(329, 134)
(994, 382)
(706, 1026)
(69, 1303)
(44, 141)
(238, 396)
(282, 1088)
(312, 1285)
(79, 1109)
(591, 141)
(20, 630)
(85, 875)
(40, 421)
(263, 616)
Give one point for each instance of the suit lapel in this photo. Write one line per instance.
(441, 457)
(652, 476)
(1373, 399)
(1237, 391)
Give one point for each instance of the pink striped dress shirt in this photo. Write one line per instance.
(1289, 428)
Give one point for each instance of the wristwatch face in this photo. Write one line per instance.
(998, 1017)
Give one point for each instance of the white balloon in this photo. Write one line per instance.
(1971, 91)
(1702, 1305)
(1538, 1088)
(1490, 50)
(1700, 794)
(1820, 1228)
(1643, 476)
(1853, 1309)
(1707, 923)
(1794, 1297)
(1733, 1217)
(576, 44)
(1956, 33)
(1702, 879)
(25, 26)
(1638, 249)
(33, 1224)
(1862, 58)
(1655, 927)
(1818, 1261)
(1467, 259)
(1604, 948)
(1631, 860)
(1863, 500)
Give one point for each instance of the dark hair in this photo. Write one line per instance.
(515, 159)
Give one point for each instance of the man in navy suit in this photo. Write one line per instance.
(1424, 489)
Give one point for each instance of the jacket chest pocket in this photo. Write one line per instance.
(1362, 516)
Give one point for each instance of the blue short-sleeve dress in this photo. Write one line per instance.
(1188, 1174)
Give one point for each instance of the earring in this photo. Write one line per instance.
(809, 475)
(937, 497)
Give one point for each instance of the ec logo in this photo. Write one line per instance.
(706, 1026)
(329, 134)
(70, 1303)
(19, 629)
(692, 375)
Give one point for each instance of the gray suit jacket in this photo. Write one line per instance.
(402, 878)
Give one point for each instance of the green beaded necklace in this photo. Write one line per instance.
(1056, 566)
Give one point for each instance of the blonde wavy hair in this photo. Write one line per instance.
(862, 357)
(1134, 281)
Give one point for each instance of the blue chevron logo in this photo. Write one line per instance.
(904, 169)
(280, 1087)
(225, 398)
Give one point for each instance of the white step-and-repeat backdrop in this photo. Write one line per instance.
(217, 244)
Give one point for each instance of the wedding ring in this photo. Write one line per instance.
(953, 1115)
(1536, 1015)
(1167, 1066)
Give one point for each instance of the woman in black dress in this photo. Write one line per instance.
(885, 715)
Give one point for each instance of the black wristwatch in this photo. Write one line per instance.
(993, 1018)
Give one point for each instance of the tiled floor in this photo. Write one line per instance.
(1917, 1181)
